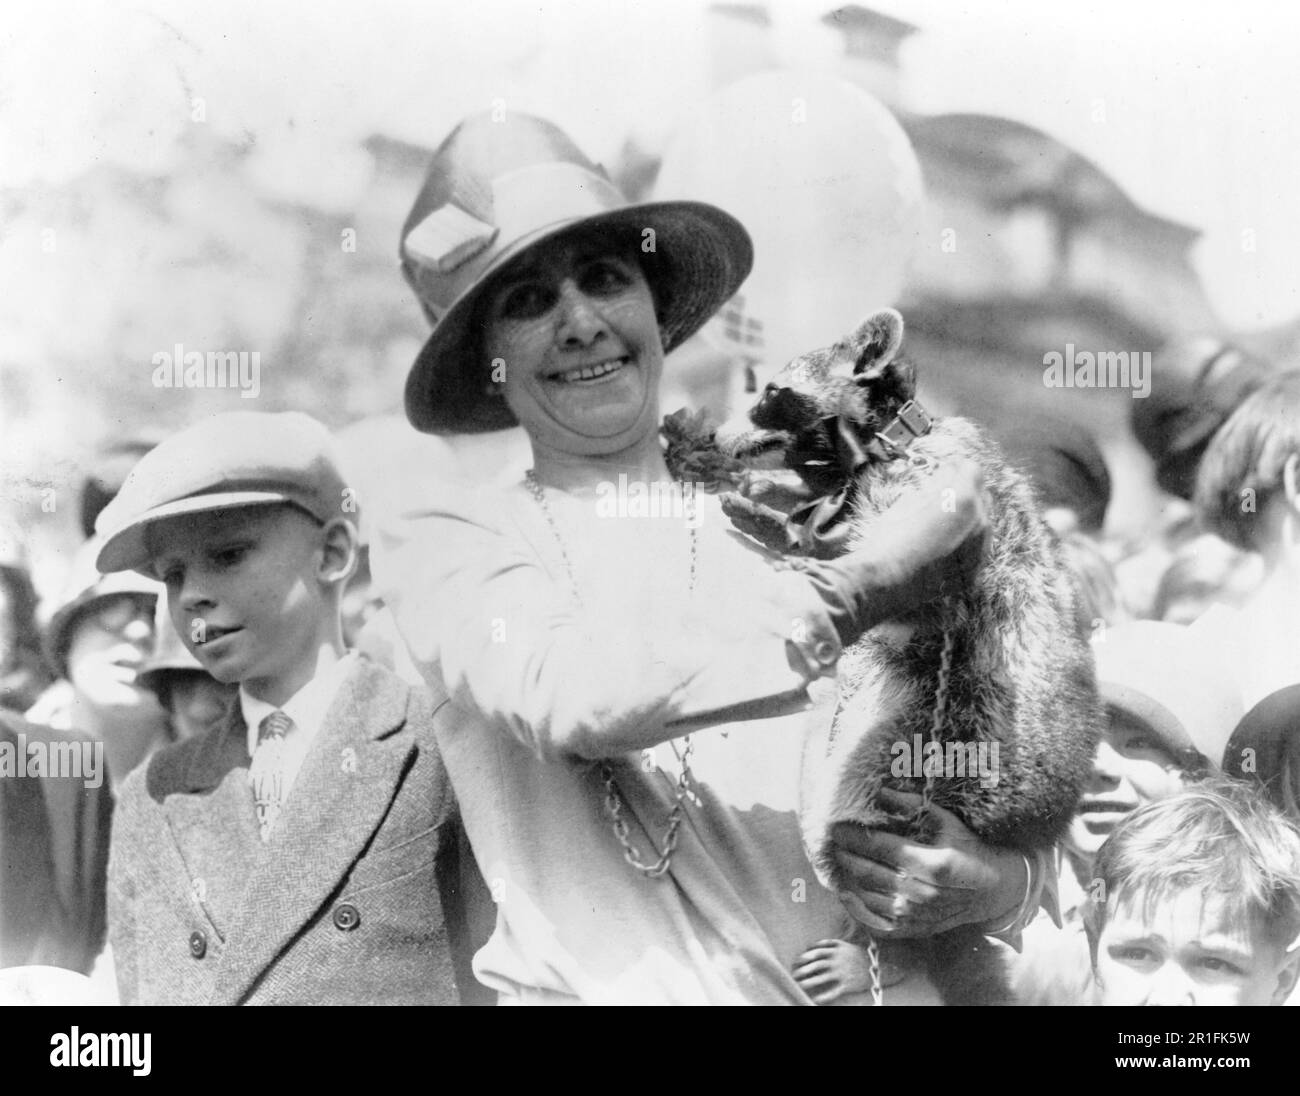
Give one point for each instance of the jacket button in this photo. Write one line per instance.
(346, 916)
(825, 652)
(198, 945)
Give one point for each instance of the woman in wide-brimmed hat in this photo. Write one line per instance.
(585, 622)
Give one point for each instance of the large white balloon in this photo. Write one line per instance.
(825, 180)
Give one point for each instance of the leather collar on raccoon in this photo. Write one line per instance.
(820, 528)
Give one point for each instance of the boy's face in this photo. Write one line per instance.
(246, 593)
(1133, 766)
(1192, 951)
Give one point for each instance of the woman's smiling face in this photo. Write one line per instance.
(572, 326)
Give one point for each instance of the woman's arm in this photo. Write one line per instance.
(479, 609)
(482, 614)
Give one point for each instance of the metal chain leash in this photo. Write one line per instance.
(940, 713)
(927, 792)
(685, 779)
(873, 957)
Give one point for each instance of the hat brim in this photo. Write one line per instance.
(152, 677)
(701, 256)
(127, 550)
(58, 632)
(1167, 726)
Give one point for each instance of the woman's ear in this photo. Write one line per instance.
(1291, 480)
(340, 552)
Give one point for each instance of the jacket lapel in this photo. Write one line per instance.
(338, 799)
(213, 822)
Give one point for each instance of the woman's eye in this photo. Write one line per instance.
(605, 276)
(1219, 966)
(1133, 954)
(525, 301)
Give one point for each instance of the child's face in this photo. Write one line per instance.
(1132, 768)
(246, 592)
(1191, 952)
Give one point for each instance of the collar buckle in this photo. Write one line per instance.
(911, 422)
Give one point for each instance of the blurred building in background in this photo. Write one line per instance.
(1027, 246)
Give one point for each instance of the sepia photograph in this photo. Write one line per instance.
(677, 503)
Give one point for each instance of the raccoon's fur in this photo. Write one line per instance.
(1021, 672)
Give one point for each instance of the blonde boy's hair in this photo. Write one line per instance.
(1222, 837)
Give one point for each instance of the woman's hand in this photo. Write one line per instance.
(897, 887)
(927, 545)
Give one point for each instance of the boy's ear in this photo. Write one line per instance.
(876, 343)
(1286, 977)
(340, 551)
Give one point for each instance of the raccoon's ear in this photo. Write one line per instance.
(876, 342)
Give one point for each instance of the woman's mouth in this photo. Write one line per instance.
(586, 374)
(214, 634)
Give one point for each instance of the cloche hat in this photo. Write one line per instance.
(498, 186)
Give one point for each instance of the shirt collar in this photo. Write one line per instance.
(307, 707)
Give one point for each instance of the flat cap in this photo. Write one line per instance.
(242, 458)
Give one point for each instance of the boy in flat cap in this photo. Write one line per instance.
(286, 855)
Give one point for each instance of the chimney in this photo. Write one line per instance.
(871, 42)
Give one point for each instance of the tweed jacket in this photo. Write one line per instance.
(340, 906)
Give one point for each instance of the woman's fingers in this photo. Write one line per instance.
(864, 874)
(887, 849)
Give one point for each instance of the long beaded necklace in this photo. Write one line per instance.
(685, 780)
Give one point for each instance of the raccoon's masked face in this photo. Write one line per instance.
(859, 379)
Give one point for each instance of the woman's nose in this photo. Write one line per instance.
(579, 319)
(139, 631)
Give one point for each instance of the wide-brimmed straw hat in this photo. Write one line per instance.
(498, 186)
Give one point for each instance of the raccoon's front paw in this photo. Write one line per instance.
(765, 525)
(832, 970)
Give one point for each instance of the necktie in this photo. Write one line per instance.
(266, 773)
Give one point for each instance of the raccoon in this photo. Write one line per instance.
(1021, 678)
